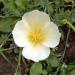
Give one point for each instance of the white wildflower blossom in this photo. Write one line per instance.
(36, 34)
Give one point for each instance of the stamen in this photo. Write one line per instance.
(36, 36)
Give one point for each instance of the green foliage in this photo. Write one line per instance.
(72, 72)
(73, 15)
(53, 61)
(6, 24)
(36, 69)
(44, 72)
(58, 17)
(10, 7)
(71, 67)
(18, 72)
(62, 72)
(16, 50)
(20, 4)
(1, 49)
(12, 10)
(2, 38)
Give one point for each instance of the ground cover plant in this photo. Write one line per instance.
(61, 60)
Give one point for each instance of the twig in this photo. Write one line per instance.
(66, 43)
(6, 49)
(18, 66)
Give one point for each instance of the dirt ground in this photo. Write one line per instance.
(70, 49)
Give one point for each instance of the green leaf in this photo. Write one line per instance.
(71, 67)
(62, 73)
(73, 15)
(10, 8)
(6, 24)
(72, 72)
(20, 4)
(16, 50)
(36, 69)
(1, 49)
(53, 60)
(58, 17)
(3, 37)
(49, 67)
(44, 72)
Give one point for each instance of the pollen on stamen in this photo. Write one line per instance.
(36, 36)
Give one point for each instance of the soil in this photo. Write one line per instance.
(70, 48)
(6, 68)
(70, 52)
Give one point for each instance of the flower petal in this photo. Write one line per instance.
(35, 18)
(19, 34)
(52, 35)
(36, 53)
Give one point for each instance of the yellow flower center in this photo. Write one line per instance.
(36, 36)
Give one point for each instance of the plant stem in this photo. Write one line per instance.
(66, 43)
(3, 53)
(5, 40)
(23, 60)
(18, 66)
(69, 24)
(1, 49)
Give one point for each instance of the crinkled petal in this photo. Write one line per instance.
(36, 53)
(36, 18)
(19, 34)
(52, 35)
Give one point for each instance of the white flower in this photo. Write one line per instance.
(37, 34)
